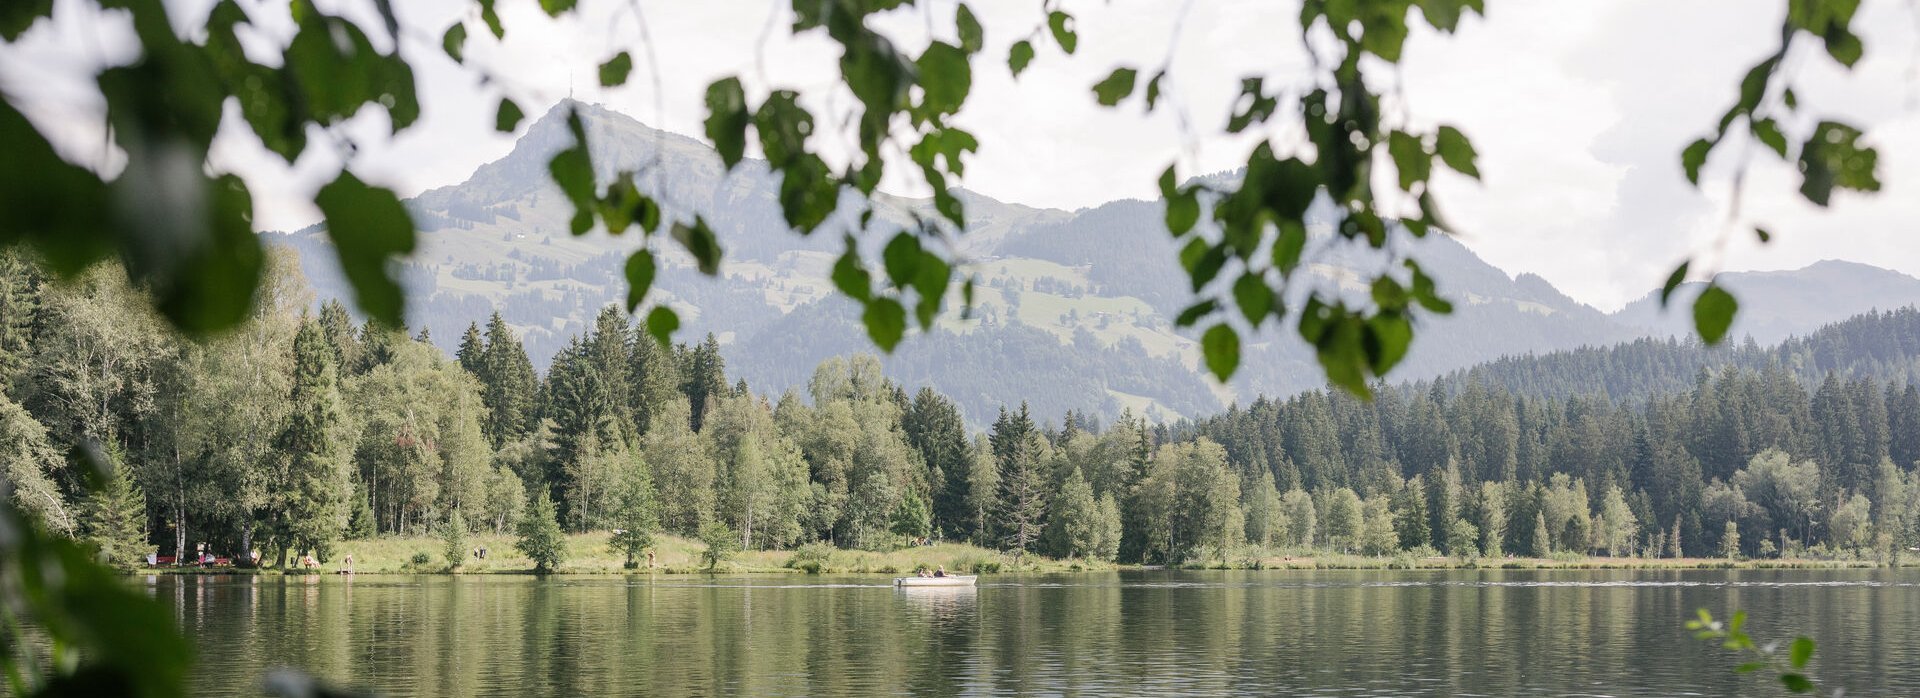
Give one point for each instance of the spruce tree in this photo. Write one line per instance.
(1023, 479)
(1542, 543)
(453, 539)
(114, 516)
(540, 537)
(319, 473)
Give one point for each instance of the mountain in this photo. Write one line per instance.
(1775, 305)
(1073, 308)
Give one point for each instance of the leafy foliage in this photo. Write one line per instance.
(1731, 635)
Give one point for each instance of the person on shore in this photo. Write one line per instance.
(941, 571)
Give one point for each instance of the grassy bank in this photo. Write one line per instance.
(589, 553)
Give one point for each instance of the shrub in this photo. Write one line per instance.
(811, 558)
(722, 543)
(422, 558)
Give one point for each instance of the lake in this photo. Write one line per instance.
(1439, 633)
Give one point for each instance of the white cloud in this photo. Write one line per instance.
(1579, 109)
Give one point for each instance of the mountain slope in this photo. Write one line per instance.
(1073, 309)
(1777, 304)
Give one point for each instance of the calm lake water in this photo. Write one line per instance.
(1594, 633)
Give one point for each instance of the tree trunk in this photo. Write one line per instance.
(246, 544)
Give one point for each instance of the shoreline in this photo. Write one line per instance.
(589, 554)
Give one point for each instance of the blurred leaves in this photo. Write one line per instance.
(1731, 635)
(370, 229)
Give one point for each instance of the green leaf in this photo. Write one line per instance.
(1388, 336)
(1061, 24)
(1800, 652)
(1767, 131)
(508, 117)
(1713, 313)
(1019, 56)
(454, 40)
(1833, 157)
(972, 36)
(555, 8)
(624, 206)
(901, 258)
(1456, 151)
(1194, 312)
(1115, 87)
(613, 73)
(945, 78)
(661, 323)
(369, 229)
(850, 276)
(1695, 157)
(1289, 245)
(701, 243)
(1259, 105)
(1674, 280)
(1796, 683)
(572, 171)
(492, 18)
(1153, 90)
(1762, 234)
(640, 272)
(1255, 299)
(1844, 46)
(727, 119)
(1410, 158)
(1221, 345)
(886, 322)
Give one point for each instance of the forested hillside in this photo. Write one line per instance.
(1885, 345)
(1101, 284)
(303, 428)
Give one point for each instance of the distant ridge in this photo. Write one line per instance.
(1076, 304)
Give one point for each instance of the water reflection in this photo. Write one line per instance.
(1159, 633)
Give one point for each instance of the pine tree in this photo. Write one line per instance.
(318, 484)
(1023, 479)
(114, 518)
(360, 524)
(540, 537)
(453, 539)
(703, 375)
(508, 385)
(1410, 512)
(1542, 542)
(472, 352)
(1493, 519)
(934, 428)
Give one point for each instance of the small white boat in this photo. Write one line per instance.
(951, 580)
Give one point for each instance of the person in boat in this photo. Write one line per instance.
(922, 572)
(941, 571)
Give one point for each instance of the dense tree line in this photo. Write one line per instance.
(304, 427)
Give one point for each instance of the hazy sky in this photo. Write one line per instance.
(1579, 109)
